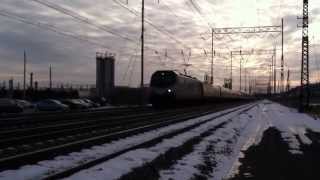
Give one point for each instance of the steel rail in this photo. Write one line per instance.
(69, 172)
(36, 155)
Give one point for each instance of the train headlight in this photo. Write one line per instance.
(169, 90)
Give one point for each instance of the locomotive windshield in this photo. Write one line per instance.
(163, 78)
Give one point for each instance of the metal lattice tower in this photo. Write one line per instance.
(304, 88)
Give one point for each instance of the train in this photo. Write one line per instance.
(171, 88)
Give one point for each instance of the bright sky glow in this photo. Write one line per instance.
(183, 26)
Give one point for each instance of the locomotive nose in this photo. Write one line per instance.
(162, 92)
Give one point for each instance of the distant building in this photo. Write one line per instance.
(105, 74)
(31, 80)
(36, 85)
(11, 84)
(10, 88)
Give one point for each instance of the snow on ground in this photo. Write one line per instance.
(115, 168)
(221, 150)
(250, 128)
(290, 123)
(224, 144)
(60, 163)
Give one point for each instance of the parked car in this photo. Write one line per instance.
(25, 104)
(51, 105)
(74, 104)
(87, 105)
(10, 106)
(93, 104)
(101, 101)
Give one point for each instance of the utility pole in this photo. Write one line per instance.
(11, 87)
(212, 54)
(24, 74)
(282, 60)
(245, 79)
(304, 86)
(270, 80)
(240, 70)
(50, 77)
(288, 80)
(272, 75)
(275, 70)
(142, 45)
(31, 80)
(231, 72)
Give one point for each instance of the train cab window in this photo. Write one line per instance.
(163, 78)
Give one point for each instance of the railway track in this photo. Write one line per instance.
(39, 119)
(31, 145)
(64, 132)
(149, 143)
(48, 113)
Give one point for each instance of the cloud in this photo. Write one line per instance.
(178, 28)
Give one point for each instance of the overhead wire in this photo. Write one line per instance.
(85, 20)
(315, 57)
(171, 11)
(159, 29)
(194, 6)
(77, 17)
(194, 9)
(80, 18)
(211, 10)
(48, 27)
(132, 57)
(54, 29)
(131, 72)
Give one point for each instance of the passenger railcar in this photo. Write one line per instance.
(169, 87)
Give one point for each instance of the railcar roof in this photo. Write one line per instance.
(175, 72)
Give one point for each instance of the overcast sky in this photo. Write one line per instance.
(172, 27)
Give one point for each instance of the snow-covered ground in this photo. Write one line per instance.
(123, 164)
(237, 136)
(60, 163)
(220, 149)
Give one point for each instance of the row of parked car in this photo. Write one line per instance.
(17, 106)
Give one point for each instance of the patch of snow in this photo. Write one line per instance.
(250, 127)
(251, 135)
(226, 143)
(139, 157)
(288, 121)
(60, 163)
(291, 124)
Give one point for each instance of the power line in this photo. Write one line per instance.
(80, 18)
(132, 58)
(198, 10)
(162, 30)
(54, 29)
(76, 17)
(315, 57)
(131, 72)
(48, 27)
(171, 11)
